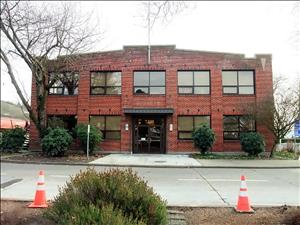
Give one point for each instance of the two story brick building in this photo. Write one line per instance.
(153, 108)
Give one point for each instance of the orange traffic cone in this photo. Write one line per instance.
(40, 194)
(243, 204)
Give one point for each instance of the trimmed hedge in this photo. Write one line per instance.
(13, 139)
(204, 138)
(122, 190)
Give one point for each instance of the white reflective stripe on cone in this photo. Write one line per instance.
(41, 179)
(243, 193)
(40, 188)
(243, 184)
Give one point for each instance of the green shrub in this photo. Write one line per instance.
(252, 143)
(122, 189)
(56, 142)
(13, 139)
(95, 136)
(204, 138)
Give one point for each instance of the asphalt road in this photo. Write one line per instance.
(179, 186)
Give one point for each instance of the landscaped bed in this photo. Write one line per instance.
(39, 157)
(16, 213)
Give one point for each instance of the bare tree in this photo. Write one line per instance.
(36, 33)
(277, 112)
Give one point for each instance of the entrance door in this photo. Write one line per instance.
(149, 134)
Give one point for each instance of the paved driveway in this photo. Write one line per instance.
(147, 160)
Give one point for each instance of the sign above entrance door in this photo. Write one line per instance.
(152, 111)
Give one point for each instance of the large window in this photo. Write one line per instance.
(187, 124)
(65, 83)
(193, 82)
(233, 126)
(149, 82)
(63, 121)
(109, 125)
(106, 83)
(238, 82)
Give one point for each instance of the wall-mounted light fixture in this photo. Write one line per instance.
(126, 126)
(171, 127)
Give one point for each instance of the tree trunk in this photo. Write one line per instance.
(273, 149)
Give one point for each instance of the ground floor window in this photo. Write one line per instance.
(110, 126)
(68, 122)
(187, 124)
(233, 126)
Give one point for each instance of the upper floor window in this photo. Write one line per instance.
(149, 82)
(187, 124)
(238, 82)
(65, 83)
(105, 83)
(110, 126)
(194, 82)
(233, 126)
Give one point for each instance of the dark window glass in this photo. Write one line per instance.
(65, 83)
(193, 82)
(68, 122)
(187, 124)
(106, 83)
(233, 126)
(149, 82)
(238, 82)
(109, 125)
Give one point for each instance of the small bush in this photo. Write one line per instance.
(253, 143)
(56, 142)
(204, 138)
(13, 139)
(121, 189)
(95, 136)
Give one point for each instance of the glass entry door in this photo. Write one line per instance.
(149, 134)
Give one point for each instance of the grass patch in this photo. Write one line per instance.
(286, 155)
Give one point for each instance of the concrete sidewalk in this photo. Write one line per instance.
(184, 161)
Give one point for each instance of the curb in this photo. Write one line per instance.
(148, 166)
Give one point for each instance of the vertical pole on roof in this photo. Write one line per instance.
(149, 47)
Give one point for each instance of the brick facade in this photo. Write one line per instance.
(170, 60)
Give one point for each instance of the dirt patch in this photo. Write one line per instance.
(17, 213)
(227, 216)
(73, 157)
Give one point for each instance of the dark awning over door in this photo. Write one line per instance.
(155, 111)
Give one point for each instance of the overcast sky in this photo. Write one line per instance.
(238, 27)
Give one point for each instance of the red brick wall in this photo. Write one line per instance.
(169, 59)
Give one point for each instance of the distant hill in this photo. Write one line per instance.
(12, 110)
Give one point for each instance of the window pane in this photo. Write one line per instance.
(185, 123)
(201, 90)
(200, 120)
(247, 123)
(141, 90)
(246, 90)
(113, 122)
(113, 79)
(157, 78)
(230, 90)
(76, 91)
(230, 123)
(113, 90)
(57, 91)
(97, 79)
(185, 90)
(116, 135)
(157, 90)
(98, 121)
(229, 78)
(141, 78)
(185, 78)
(201, 78)
(98, 90)
(185, 135)
(231, 135)
(246, 78)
